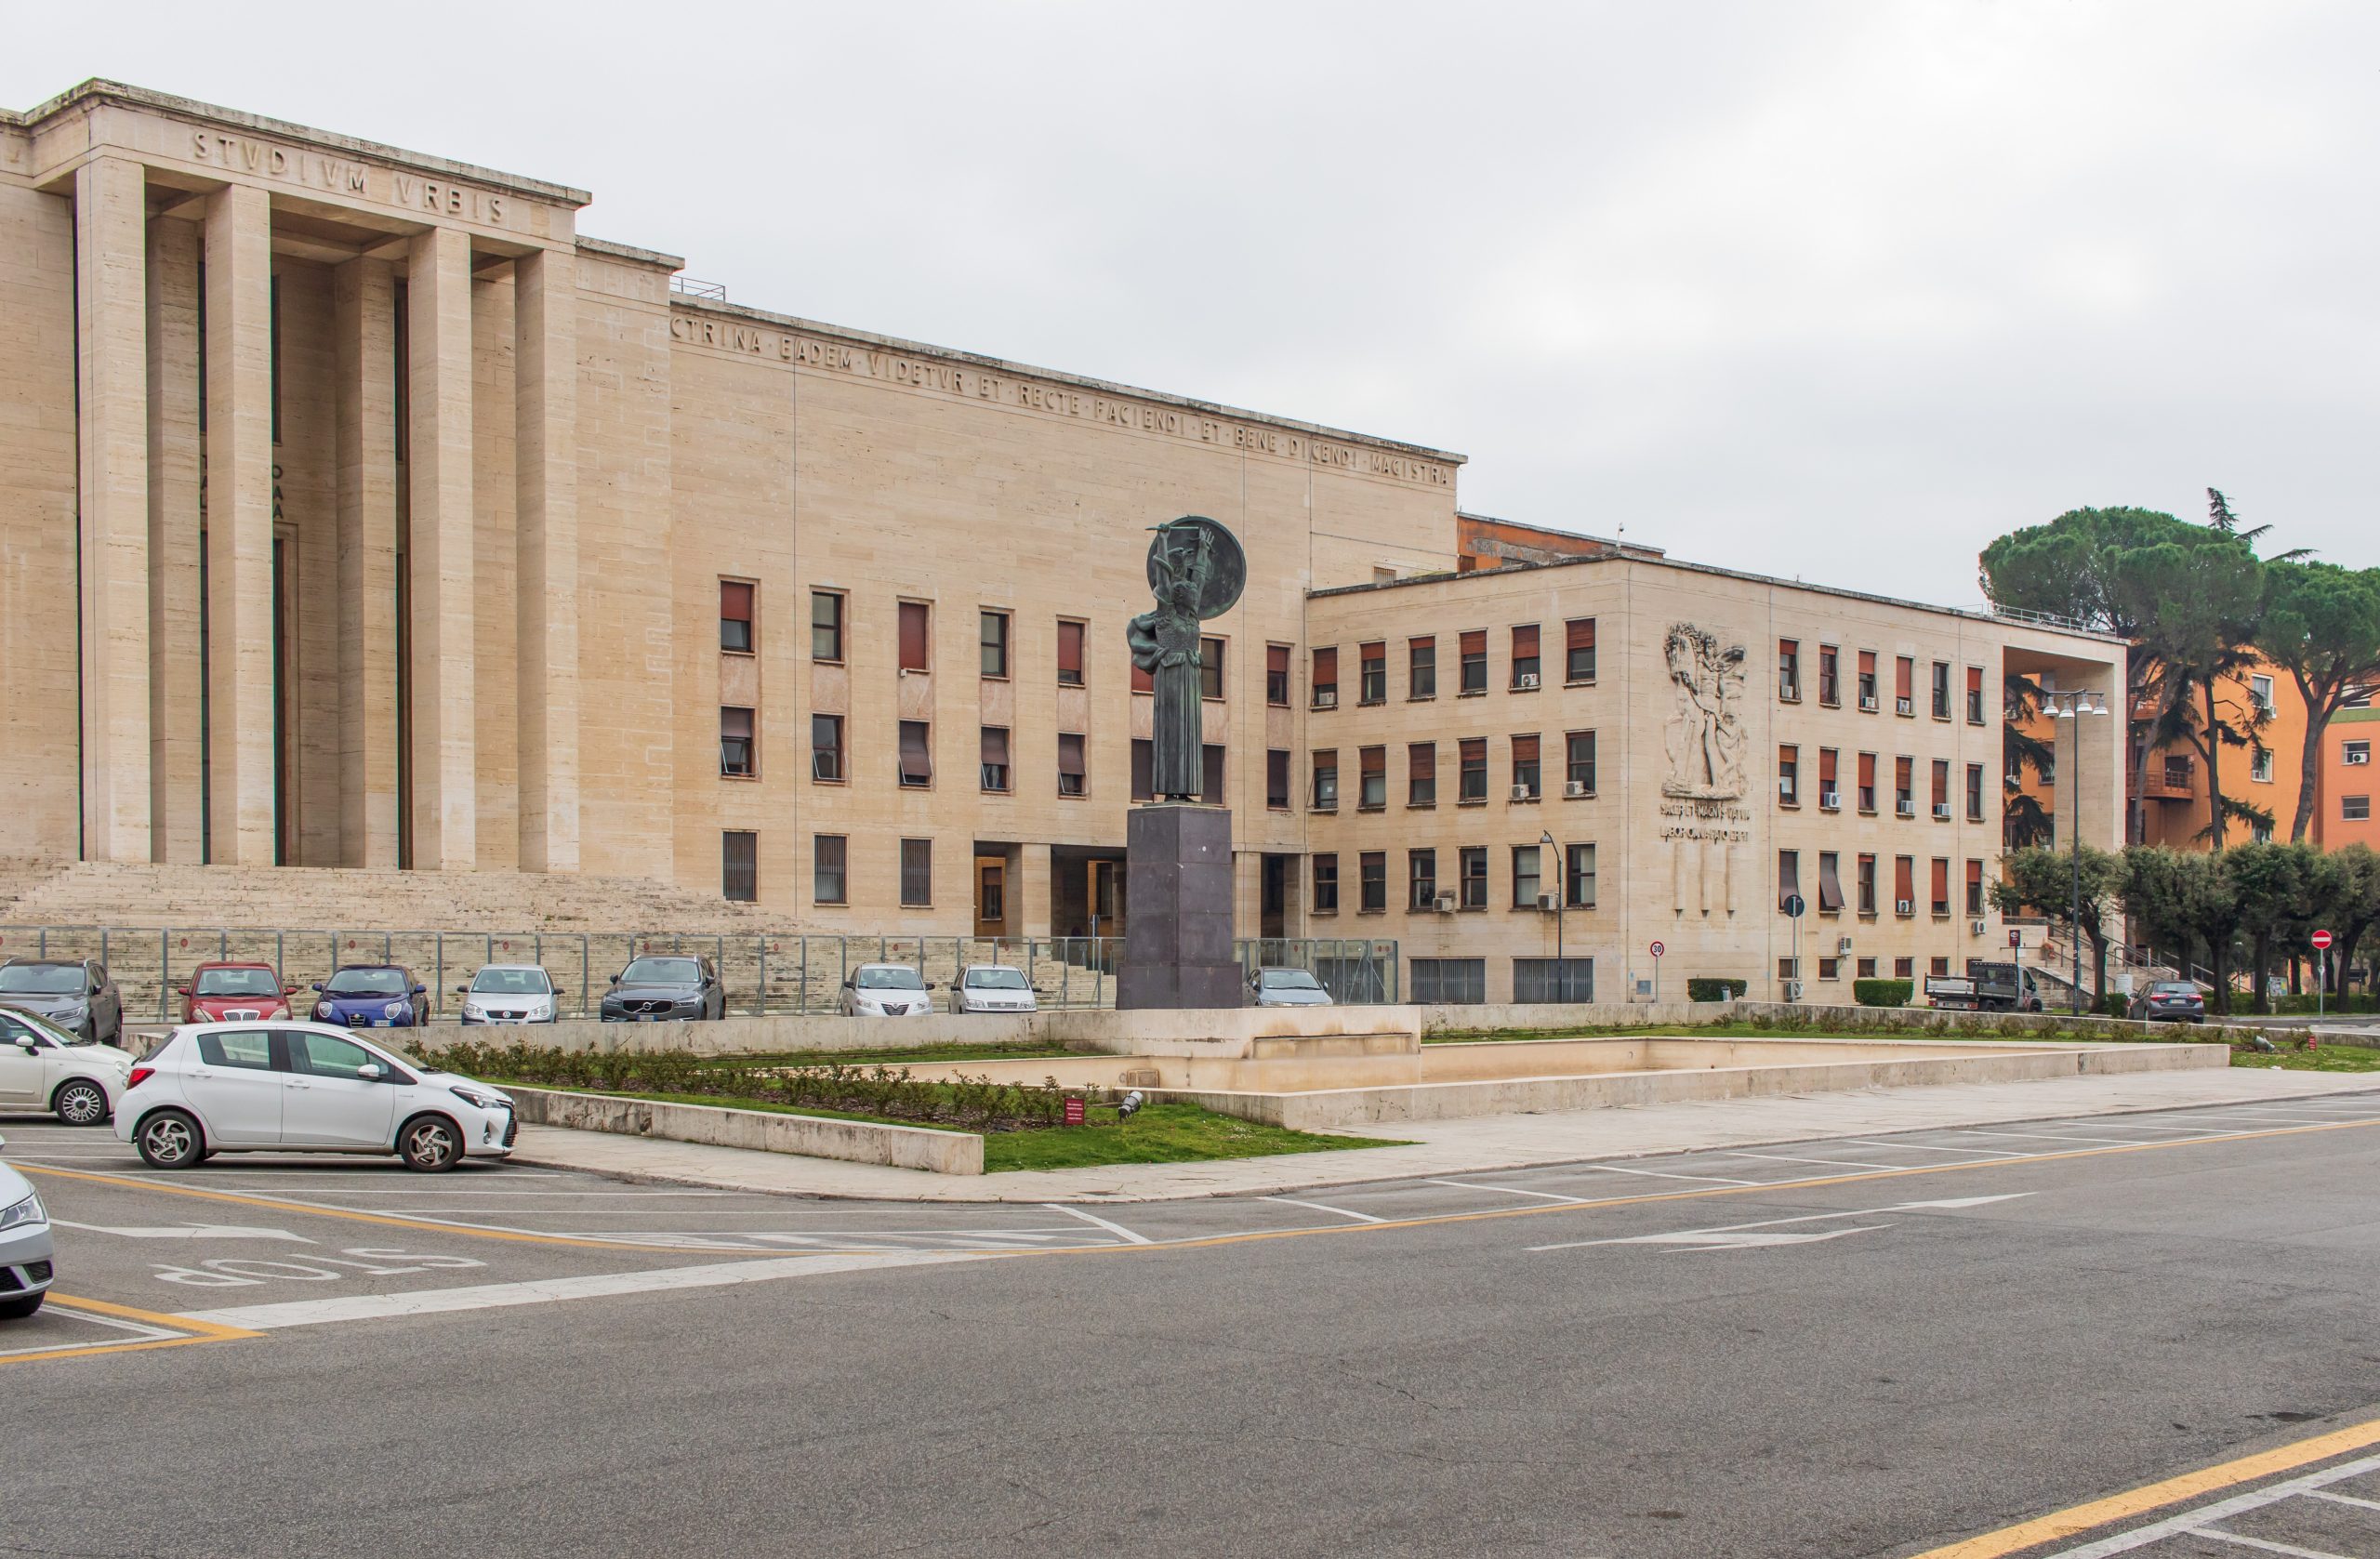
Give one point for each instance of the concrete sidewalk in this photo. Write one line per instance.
(1447, 1147)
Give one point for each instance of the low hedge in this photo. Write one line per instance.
(1882, 992)
(1715, 990)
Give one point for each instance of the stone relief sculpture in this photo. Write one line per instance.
(1705, 737)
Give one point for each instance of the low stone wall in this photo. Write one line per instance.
(859, 1141)
(2049, 1025)
(1572, 1014)
(1229, 1031)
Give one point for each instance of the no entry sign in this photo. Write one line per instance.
(2321, 941)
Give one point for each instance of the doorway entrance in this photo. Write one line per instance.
(1273, 901)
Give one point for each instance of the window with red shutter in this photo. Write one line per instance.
(1069, 652)
(913, 636)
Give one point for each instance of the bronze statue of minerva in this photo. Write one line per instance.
(1196, 571)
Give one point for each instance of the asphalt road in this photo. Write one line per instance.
(1869, 1347)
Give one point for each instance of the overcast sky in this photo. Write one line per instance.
(1837, 290)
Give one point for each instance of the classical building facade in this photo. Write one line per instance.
(359, 511)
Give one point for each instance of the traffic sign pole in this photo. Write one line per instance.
(1657, 951)
(2321, 940)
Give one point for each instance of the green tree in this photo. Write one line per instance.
(2198, 597)
(2271, 892)
(2322, 625)
(2023, 821)
(2188, 903)
(2345, 896)
(2045, 880)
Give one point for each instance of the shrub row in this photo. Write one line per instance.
(1700, 989)
(1882, 992)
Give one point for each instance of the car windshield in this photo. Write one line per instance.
(42, 979)
(888, 977)
(662, 971)
(1289, 980)
(236, 982)
(996, 979)
(57, 1035)
(366, 982)
(510, 982)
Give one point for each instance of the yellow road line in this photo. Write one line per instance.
(2080, 1519)
(429, 1225)
(191, 1332)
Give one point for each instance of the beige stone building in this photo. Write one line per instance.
(358, 511)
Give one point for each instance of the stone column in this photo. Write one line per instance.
(545, 333)
(176, 673)
(239, 527)
(111, 356)
(366, 325)
(438, 524)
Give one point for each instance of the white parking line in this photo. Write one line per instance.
(1924, 1147)
(1659, 1174)
(1117, 1229)
(1325, 1207)
(1512, 1191)
(2056, 1137)
(2191, 1523)
(1843, 1163)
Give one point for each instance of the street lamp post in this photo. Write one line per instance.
(1561, 895)
(2068, 707)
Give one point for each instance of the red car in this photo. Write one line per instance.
(234, 993)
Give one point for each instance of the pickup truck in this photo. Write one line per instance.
(1986, 987)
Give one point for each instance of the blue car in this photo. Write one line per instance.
(372, 995)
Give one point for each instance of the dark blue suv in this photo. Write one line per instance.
(373, 995)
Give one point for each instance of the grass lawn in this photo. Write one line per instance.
(1157, 1134)
(2322, 1058)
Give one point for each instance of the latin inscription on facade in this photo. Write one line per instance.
(964, 381)
(339, 176)
(1726, 822)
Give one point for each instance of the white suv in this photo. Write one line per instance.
(303, 1088)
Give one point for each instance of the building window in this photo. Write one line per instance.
(1789, 774)
(739, 866)
(1143, 770)
(1974, 887)
(1448, 982)
(826, 747)
(1905, 786)
(1904, 969)
(1904, 884)
(1939, 881)
(1579, 650)
(2260, 763)
(1474, 646)
(1865, 969)
(1422, 774)
(1372, 663)
(1868, 681)
(1473, 774)
(916, 873)
(826, 626)
(1326, 884)
(1975, 792)
(1524, 769)
(1867, 884)
(1276, 778)
(1211, 668)
(1788, 670)
(1211, 773)
(1473, 862)
(735, 616)
(1421, 880)
(1538, 981)
(2260, 693)
(1829, 792)
(994, 634)
(1421, 668)
(2355, 809)
(991, 894)
(1975, 696)
(917, 753)
(994, 774)
(1524, 661)
(1868, 782)
(1325, 679)
(1578, 763)
(1904, 685)
(1830, 676)
(1829, 883)
(1326, 779)
(1789, 968)
(827, 869)
(1276, 675)
(1069, 652)
(1937, 965)
(1371, 773)
(1527, 864)
(916, 637)
(1371, 882)
(1940, 796)
(1579, 877)
(2355, 755)
(1941, 690)
(1071, 781)
(1789, 877)
(1830, 968)
(736, 743)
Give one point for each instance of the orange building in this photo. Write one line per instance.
(2342, 809)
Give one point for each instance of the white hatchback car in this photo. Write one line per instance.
(886, 990)
(991, 987)
(24, 1246)
(509, 993)
(303, 1088)
(45, 1067)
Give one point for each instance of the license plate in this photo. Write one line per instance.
(644, 1017)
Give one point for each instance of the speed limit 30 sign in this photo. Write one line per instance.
(1658, 949)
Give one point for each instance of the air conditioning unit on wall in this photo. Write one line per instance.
(1523, 793)
(1526, 679)
(1326, 698)
(1576, 790)
(1868, 702)
(1904, 906)
(1975, 928)
(1842, 946)
(1445, 903)
(1545, 902)
(1941, 812)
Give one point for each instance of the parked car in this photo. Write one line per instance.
(2168, 1001)
(234, 992)
(74, 993)
(25, 1254)
(1989, 986)
(1286, 987)
(304, 1088)
(45, 1067)
(886, 990)
(509, 993)
(372, 995)
(662, 987)
(991, 987)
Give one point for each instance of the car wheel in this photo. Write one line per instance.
(18, 1309)
(170, 1140)
(81, 1102)
(430, 1143)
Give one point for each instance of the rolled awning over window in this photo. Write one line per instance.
(917, 762)
(1829, 885)
(1789, 875)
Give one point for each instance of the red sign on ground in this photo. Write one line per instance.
(1074, 1112)
(2321, 941)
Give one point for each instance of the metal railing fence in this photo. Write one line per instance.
(787, 974)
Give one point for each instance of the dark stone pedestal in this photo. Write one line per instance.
(1177, 909)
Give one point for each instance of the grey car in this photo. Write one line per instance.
(1286, 987)
(662, 987)
(75, 994)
